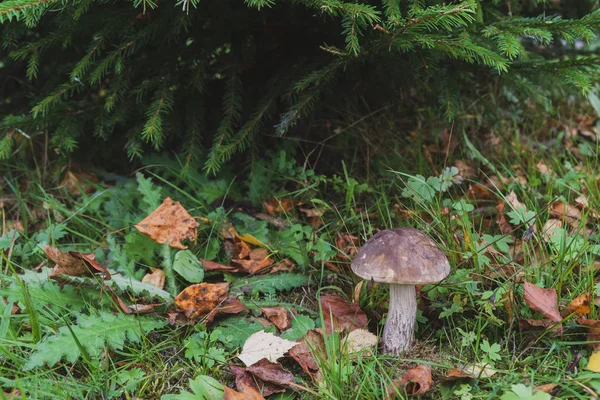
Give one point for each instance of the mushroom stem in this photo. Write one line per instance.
(400, 324)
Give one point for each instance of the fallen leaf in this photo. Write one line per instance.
(543, 168)
(505, 227)
(594, 362)
(580, 306)
(188, 266)
(593, 334)
(170, 223)
(550, 227)
(414, 382)
(465, 169)
(211, 266)
(338, 314)
(156, 278)
(244, 380)
(279, 206)
(542, 300)
(201, 298)
(248, 238)
(311, 347)
(264, 345)
(271, 372)
(567, 213)
(547, 388)
(479, 192)
(73, 263)
(258, 260)
(247, 394)
(76, 183)
(582, 202)
(456, 374)
(285, 265)
(514, 202)
(278, 316)
(533, 324)
(359, 340)
(231, 305)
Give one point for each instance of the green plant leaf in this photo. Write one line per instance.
(204, 388)
(188, 266)
(300, 325)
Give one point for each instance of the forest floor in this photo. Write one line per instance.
(165, 286)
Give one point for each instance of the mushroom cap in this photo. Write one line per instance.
(403, 256)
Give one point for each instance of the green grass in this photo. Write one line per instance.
(469, 319)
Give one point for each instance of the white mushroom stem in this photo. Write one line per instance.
(402, 314)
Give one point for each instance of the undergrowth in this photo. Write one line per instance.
(69, 339)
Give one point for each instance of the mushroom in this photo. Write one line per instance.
(402, 257)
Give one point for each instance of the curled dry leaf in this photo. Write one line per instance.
(567, 213)
(550, 227)
(547, 388)
(73, 263)
(505, 227)
(170, 223)
(580, 306)
(544, 301)
(480, 370)
(306, 353)
(339, 314)
(156, 278)
(201, 298)
(279, 316)
(479, 192)
(285, 265)
(264, 345)
(414, 382)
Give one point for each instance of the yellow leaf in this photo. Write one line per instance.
(594, 363)
(248, 238)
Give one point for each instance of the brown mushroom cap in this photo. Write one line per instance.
(403, 256)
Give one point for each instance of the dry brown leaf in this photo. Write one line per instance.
(271, 372)
(247, 394)
(211, 266)
(414, 382)
(543, 168)
(279, 206)
(244, 380)
(550, 227)
(544, 301)
(479, 192)
(170, 223)
(201, 298)
(279, 316)
(156, 277)
(76, 182)
(258, 260)
(456, 374)
(285, 265)
(338, 314)
(73, 263)
(547, 388)
(505, 227)
(306, 353)
(580, 306)
(465, 169)
(535, 324)
(514, 202)
(593, 334)
(567, 213)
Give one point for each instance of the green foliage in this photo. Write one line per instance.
(146, 76)
(269, 284)
(203, 387)
(188, 266)
(91, 334)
